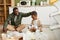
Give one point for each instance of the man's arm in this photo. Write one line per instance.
(26, 14)
(6, 23)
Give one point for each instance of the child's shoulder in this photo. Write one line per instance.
(38, 19)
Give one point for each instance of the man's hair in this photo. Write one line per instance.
(15, 8)
(34, 13)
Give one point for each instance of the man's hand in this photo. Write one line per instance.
(11, 28)
(4, 30)
(20, 27)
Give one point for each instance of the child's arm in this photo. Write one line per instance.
(39, 26)
(32, 22)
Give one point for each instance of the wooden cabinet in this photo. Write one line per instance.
(1, 11)
(4, 9)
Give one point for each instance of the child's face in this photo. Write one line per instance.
(34, 16)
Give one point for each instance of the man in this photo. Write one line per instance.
(14, 20)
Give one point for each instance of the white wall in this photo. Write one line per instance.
(43, 13)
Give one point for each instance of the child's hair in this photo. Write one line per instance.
(34, 13)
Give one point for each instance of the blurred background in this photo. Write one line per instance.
(48, 13)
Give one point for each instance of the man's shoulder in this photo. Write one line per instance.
(10, 15)
(13, 13)
(20, 12)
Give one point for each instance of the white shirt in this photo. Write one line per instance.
(35, 24)
(15, 18)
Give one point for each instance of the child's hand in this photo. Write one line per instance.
(40, 29)
(33, 29)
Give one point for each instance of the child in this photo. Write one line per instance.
(35, 25)
(34, 29)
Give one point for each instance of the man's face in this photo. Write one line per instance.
(16, 11)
